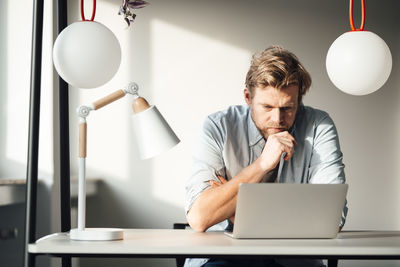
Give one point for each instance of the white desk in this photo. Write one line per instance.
(149, 243)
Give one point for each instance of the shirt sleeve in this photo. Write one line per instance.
(207, 161)
(326, 166)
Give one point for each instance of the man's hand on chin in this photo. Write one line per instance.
(276, 145)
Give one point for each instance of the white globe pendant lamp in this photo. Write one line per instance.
(358, 62)
(86, 54)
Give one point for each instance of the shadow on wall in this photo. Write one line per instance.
(106, 210)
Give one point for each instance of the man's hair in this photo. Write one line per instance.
(279, 68)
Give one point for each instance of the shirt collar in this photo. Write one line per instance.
(254, 134)
(299, 116)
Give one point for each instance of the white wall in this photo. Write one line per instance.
(14, 94)
(190, 59)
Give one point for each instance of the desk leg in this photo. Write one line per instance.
(66, 261)
(332, 263)
(29, 260)
(180, 261)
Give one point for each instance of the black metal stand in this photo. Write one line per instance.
(33, 142)
(64, 139)
(332, 263)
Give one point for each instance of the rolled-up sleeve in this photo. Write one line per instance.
(207, 161)
(326, 165)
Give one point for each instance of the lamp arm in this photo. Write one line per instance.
(83, 112)
(82, 138)
(108, 99)
(139, 104)
(82, 129)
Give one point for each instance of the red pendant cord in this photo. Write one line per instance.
(362, 16)
(83, 12)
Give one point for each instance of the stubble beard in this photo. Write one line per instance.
(267, 131)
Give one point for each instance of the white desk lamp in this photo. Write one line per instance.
(87, 55)
(153, 135)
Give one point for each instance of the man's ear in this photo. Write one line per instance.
(247, 96)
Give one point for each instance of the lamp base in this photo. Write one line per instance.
(97, 234)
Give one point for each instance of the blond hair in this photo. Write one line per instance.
(279, 68)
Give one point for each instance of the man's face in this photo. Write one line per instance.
(273, 110)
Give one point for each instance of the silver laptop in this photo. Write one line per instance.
(270, 210)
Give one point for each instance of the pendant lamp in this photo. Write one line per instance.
(358, 62)
(86, 54)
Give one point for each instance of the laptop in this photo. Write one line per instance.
(271, 210)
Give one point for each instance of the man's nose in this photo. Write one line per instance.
(276, 115)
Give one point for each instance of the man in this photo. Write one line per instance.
(274, 138)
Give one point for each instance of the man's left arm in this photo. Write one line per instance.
(326, 165)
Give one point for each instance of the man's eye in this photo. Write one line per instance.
(287, 109)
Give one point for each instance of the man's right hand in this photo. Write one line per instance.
(214, 206)
(276, 145)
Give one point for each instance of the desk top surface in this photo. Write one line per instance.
(187, 242)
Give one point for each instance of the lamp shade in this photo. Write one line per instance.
(359, 62)
(86, 54)
(153, 134)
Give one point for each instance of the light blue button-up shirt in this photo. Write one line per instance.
(229, 142)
